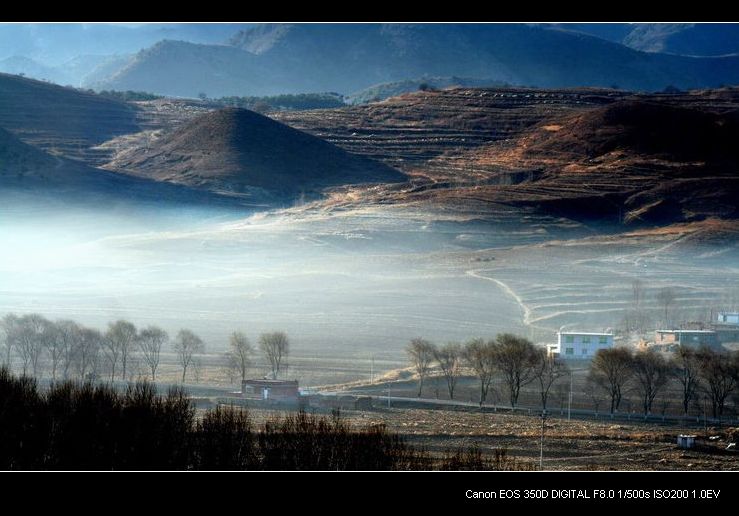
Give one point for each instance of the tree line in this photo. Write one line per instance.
(88, 426)
(649, 373)
(66, 349)
(516, 362)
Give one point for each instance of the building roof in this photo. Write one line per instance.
(272, 383)
(685, 331)
(584, 333)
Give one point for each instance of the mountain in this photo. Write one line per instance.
(638, 160)
(183, 69)
(56, 43)
(240, 152)
(692, 39)
(295, 58)
(35, 174)
(90, 68)
(61, 120)
(392, 89)
(697, 39)
(21, 65)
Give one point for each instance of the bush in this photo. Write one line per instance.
(94, 427)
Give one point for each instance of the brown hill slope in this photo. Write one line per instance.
(32, 172)
(631, 161)
(241, 152)
(59, 120)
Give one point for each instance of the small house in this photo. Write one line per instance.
(579, 345)
(728, 318)
(271, 390)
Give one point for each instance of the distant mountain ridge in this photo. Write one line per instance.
(294, 58)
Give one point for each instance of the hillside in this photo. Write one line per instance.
(589, 155)
(60, 120)
(243, 153)
(183, 69)
(690, 39)
(393, 89)
(296, 58)
(35, 174)
(635, 161)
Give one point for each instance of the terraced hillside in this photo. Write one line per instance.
(239, 152)
(62, 121)
(409, 130)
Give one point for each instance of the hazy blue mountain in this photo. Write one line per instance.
(179, 68)
(21, 65)
(291, 58)
(55, 43)
(696, 39)
(91, 68)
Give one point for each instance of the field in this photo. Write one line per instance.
(568, 445)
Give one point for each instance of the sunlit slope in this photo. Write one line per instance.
(237, 151)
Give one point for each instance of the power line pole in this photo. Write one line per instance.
(541, 445)
(569, 403)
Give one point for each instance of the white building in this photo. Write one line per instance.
(580, 345)
(728, 318)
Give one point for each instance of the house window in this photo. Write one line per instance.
(569, 339)
(584, 351)
(569, 351)
(586, 340)
(603, 340)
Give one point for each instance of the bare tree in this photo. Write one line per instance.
(276, 348)
(186, 345)
(449, 356)
(666, 299)
(56, 343)
(150, 341)
(68, 332)
(516, 358)
(421, 355)
(121, 337)
(86, 352)
(611, 370)
(9, 330)
(480, 357)
(637, 293)
(718, 373)
(595, 394)
(685, 368)
(239, 353)
(651, 374)
(635, 317)
(30, 338)
(548, 371)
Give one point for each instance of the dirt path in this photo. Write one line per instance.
(527, 313)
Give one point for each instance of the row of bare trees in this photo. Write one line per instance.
(66, 349)
(649, 373)
(516, 360)
(69, 349)
(274, 346)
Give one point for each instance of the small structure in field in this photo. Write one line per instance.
(686, 441)
(579, 345)
(728, 318)
(271, 390)
(687, 338)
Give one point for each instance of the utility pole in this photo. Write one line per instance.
(569, 403)
(541, 444)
